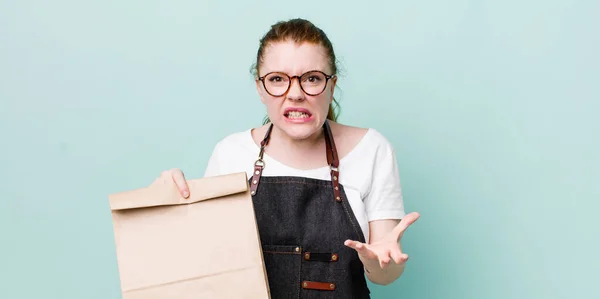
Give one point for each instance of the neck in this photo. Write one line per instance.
(300, 144)
(307, 153)
(291, 145)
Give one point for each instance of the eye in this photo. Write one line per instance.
(275, 78)
(313, 78)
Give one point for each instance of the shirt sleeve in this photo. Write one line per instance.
(384, 199)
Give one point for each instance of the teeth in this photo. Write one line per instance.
(297, 114)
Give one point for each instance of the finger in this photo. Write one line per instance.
(404, 257)
(384, 259)
(179, 179)
(406, 222)
(397, 256)
(360, 247)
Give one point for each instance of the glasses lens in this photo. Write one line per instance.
(277, 83)
(313, 83)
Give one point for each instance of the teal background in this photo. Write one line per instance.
(492, 107)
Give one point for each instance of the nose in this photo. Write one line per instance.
(295, 93)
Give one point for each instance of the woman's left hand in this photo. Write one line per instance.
(388, 248)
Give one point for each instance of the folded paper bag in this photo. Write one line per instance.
(205, 246)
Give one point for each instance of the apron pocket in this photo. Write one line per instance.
(282, 263)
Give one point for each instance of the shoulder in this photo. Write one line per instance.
(368, 142)
(357, 133)
(371, 169)
(248, 138)
(235, 141)
(231, 153)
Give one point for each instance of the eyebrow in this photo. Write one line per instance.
(308, 71)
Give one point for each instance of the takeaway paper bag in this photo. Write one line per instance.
(203, 247)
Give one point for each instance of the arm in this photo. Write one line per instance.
(382, 257)
(382, 254)
(375, 273)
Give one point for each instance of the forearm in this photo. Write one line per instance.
(383, 276)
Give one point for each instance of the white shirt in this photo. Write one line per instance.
(369, 173)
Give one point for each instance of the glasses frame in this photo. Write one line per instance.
(291, 78)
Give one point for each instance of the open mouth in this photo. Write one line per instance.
(297, 114)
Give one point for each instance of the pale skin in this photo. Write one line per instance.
(301, 145)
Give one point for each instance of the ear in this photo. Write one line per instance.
(259, 90)
(333, 85)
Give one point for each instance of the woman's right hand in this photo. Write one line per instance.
(177, 176)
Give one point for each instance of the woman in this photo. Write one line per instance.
(327, 196)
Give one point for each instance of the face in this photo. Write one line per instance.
(298, 113)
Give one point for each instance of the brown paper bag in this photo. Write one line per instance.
(203, 247)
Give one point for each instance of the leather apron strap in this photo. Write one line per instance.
(332, 160)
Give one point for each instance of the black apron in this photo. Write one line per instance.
(303, 223)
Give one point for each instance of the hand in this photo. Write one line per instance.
(177, 176)
(388, 248)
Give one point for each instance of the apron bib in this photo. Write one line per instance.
(303, 223)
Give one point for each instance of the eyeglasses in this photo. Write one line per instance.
(312, 83)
